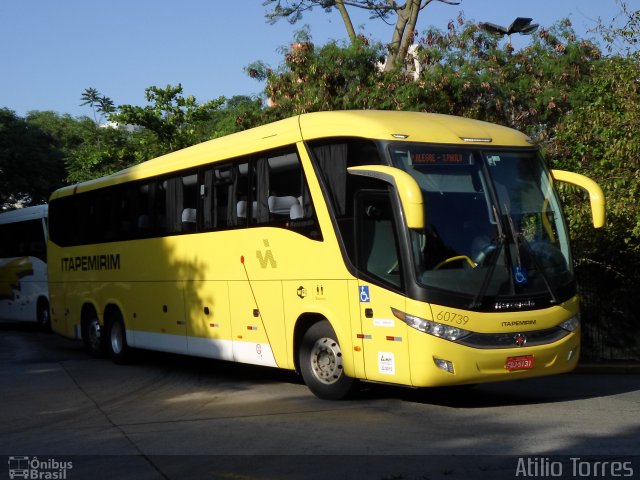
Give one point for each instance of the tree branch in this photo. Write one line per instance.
(346, 20)
(410, 27)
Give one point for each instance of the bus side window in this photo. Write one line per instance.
(377, 244)
(281, 189)
(189, 213)
(331, 158)
(180, 199)
(142, 209)
(260, 191)
(268, 190)
(223, 196)
(238, 194)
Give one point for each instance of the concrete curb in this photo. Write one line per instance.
(607, 368)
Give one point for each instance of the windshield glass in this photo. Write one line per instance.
(493, 225)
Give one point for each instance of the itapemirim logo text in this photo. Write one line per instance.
(38, 468)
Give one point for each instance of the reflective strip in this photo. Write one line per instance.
(394, 339)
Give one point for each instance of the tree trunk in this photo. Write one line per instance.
(403, 32)
(347, 20)
(397, 37)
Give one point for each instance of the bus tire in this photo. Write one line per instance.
(42, 315)
(320, 361)
(117, 346)
(92, 335)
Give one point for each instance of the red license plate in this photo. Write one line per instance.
(524, 362)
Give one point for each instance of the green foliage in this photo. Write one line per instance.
(333, 77)
(175, 121)
(238, 113)
(466, 72)
(462, 71)
(137, 133)
(98, 103)
(402, 15)
(104, 150)
(31, 164)
(599, 137)
(65, 132)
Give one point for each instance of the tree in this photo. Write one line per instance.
(466, 72)
(174, 120)
(461, 71)
(98, 103)
(404, 29)
(137, 133)
(31, 166)
(238, 113)
(332, 77)
(622, 33)
(66, 133)
(599, 137)
(105, 150)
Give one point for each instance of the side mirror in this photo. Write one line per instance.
(406, 186)
(596, 195)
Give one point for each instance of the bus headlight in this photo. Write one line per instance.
(571, 324)
(448, 332)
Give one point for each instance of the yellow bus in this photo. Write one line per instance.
(407, 248)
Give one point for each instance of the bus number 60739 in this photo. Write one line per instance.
(452, 317)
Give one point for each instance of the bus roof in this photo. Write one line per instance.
(23, 214)
(409, 126)
(374, 124)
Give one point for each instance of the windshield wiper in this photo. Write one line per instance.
(500, 242)
(520, 239)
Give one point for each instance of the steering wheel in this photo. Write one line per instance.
(456, 259)
(486, 253)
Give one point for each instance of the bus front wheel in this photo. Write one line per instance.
(42, 315)
(320, 361)
(119, 350)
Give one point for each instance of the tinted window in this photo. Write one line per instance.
(22, 239)
(269, 189)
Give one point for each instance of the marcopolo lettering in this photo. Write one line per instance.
(87, 263)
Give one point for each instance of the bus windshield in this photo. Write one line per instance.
(493, 224)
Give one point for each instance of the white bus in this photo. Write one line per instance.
(24, 293)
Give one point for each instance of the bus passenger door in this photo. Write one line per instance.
(384, 337)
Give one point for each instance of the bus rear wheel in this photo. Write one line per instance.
(320, 360)
(119, 350)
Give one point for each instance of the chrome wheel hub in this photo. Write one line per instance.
(326, 360)
(95, 334)
(116, 337)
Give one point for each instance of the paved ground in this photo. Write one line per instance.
(174, 417)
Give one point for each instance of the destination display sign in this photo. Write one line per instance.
(434, 157)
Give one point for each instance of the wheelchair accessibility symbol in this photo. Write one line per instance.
(520, 275)
(364, 294)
